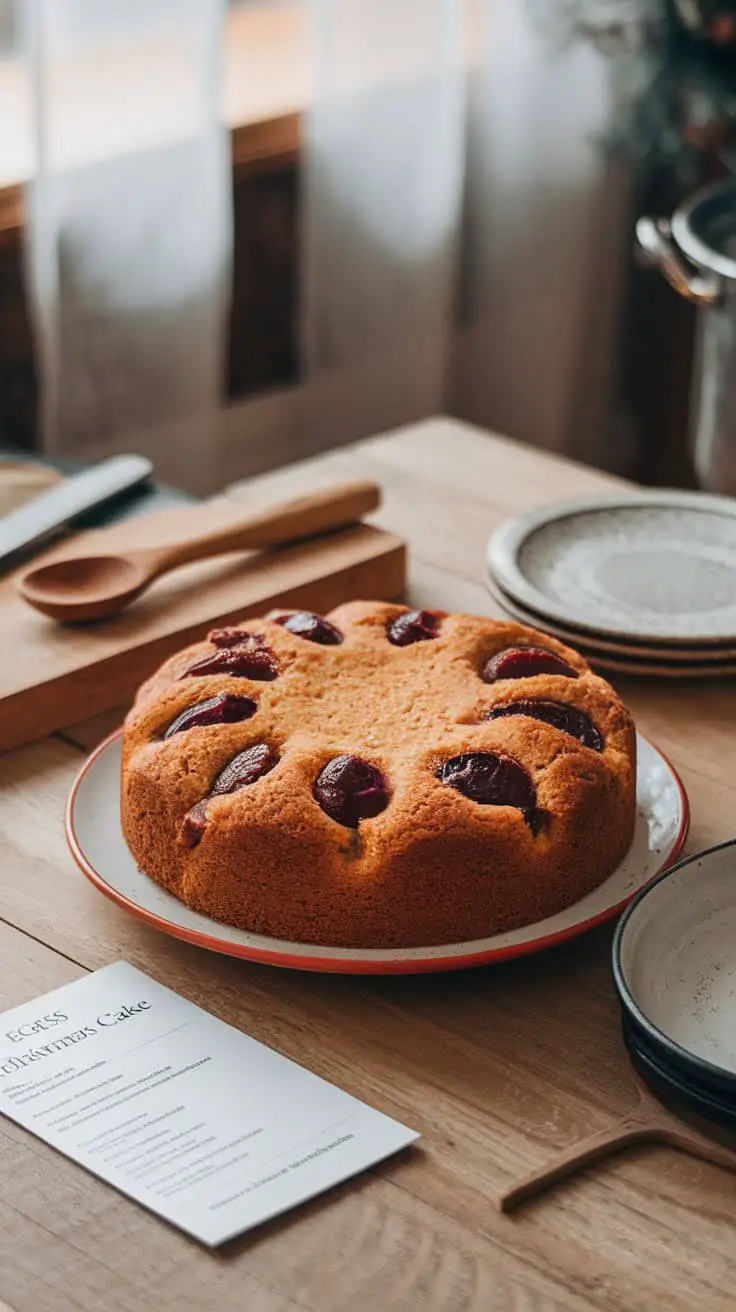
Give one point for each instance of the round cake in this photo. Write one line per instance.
(378, 777)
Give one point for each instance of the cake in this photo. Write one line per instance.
(378, 777)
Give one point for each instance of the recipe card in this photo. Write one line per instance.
(188, 1116)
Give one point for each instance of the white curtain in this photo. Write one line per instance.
(465, 231)
(466, 228)
(547, 212)
(384, 168)
(129, 226)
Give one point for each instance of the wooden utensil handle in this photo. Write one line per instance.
(662, 1127)
(625, 1132)
(696, 1145)
(244, 529)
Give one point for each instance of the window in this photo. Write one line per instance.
(264, 78)
(264, 89)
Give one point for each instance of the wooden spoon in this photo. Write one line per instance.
(95, 587)
(649, 1122)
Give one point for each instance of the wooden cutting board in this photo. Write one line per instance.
(52, 676)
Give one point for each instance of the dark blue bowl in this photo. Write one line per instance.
(681, 1093)
(674, 966)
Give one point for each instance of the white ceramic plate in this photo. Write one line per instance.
(647, 566)
(618, 648)
(675, 957)
(684, 667)
(96, 840)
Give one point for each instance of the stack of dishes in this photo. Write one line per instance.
(639, 583)
(674, 964)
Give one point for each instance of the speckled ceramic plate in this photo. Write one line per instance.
(619, 648)
(657, 566)
(674, 961)
(96, 840)
(625, 659)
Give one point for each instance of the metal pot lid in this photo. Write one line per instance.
(705, 229)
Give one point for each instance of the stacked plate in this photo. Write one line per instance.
(639, 583)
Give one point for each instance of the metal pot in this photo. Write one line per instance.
(696, 252)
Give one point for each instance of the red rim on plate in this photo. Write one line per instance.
(355, 965)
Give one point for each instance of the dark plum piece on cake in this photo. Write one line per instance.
(350, 789)
(315, 628)
(223, 708)
(244, 662)
(568, 719)
(244, 769)
(490, 779)
(525, 663)
(234, 638)
(413, 626)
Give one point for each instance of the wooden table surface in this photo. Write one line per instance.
(498, 1068)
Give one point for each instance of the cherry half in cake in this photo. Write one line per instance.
(413, 626)
(234, 638)
(524, 663)
(490, 779)
(315, 628)
(350, 789)
(244, 769)
(252, 661)
(566, 718)
(223, 708)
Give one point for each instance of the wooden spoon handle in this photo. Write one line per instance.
(243, 529)
(625, 1132)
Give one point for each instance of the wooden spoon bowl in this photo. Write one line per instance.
(106, 584)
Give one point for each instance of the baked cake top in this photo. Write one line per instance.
(374, 690)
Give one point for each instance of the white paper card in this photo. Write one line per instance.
(188, 1116)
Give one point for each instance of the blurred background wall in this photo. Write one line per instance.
(234, 234)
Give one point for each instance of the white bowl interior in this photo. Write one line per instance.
(678, 957)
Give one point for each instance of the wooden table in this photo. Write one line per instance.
(498, 1068)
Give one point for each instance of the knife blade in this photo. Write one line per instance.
(46, 514)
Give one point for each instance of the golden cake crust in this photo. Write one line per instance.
(434, 866)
